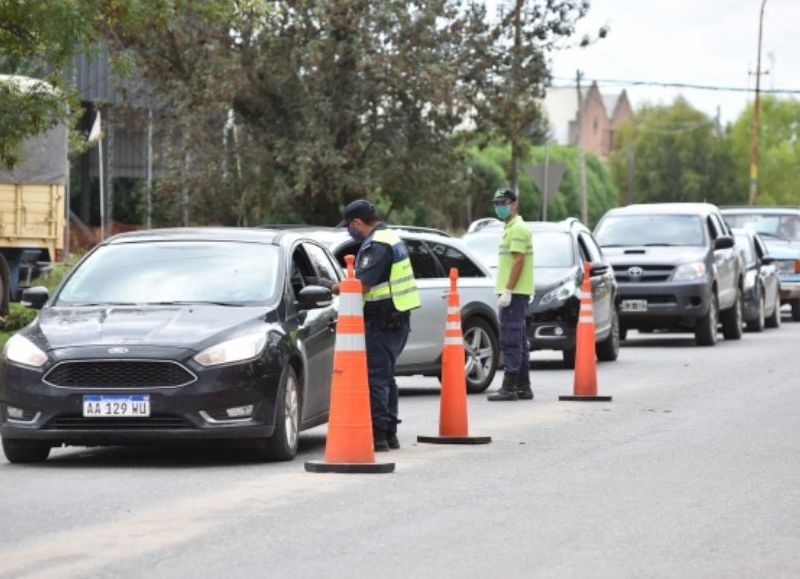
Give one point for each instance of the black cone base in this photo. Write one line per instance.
(455, 439)
(585, 398)
(351, 467)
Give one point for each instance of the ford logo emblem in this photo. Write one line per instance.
(118, 350)
(635, 272)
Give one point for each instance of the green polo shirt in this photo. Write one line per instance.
(516, 239)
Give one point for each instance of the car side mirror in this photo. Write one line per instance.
(767, 260)
(723, 242)
(599, 268)
(35, 297)
(314, 296)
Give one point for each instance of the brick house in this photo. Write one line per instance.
(601, 116)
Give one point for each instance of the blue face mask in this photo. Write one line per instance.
(502, 211)
(354, 233)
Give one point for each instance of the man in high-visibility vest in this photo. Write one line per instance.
(390, 293)
(514, 287)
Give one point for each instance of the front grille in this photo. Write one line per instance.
(653, 299)
(78, 422)
(650, 273)
(119, 374)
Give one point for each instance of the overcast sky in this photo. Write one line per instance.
(709, 42)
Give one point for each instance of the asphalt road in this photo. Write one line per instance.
(692, 471)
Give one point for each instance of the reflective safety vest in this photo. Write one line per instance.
(401, 287)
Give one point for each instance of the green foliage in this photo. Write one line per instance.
(680, 154)
(492, 168)
(39, 37)
(779, 151)
(18, 317)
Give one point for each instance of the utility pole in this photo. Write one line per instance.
(546, 179)
(149, 194)
(756, 114)
(630, 174)
(581, 155)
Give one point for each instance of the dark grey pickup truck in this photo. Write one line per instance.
(676, 268)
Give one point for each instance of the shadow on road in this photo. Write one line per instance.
(663, 341)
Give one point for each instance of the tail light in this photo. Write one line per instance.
(797, 265)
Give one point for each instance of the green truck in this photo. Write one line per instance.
(32, 197)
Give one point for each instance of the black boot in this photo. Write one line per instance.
(508, 391)
(524, 391)
(379, 442)
(392, 440)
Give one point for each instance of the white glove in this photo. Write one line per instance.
(504, 299)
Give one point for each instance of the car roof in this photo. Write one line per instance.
(665, 209)
(329, 235)
(757, 209)
(239, 234)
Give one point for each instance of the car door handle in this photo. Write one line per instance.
(445, 294)
(332, 325)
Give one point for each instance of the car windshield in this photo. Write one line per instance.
(772, 226)
(550, 248)
(650, 230)
(224, 273)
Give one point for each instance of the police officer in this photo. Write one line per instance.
(390, 293)
(514, 286)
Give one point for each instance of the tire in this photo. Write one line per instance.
(774, 320)
(482, 350)
(757, 325)
(568, 357)
(733, 319)
(608, 349)
(705, 333)
(25, 451)
(795, 309)
(282, 445)
(623, 333)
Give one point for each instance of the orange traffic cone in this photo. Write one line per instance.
(453, 427)
(348, 447)
(585, 386)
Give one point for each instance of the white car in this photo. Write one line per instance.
(432, 254)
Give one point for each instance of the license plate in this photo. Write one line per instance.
(116, 406)
(634, 305)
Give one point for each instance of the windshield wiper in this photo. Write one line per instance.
(194, 303)
(659, 245)
(98, 304)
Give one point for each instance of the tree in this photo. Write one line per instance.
(510, 71)
(779, 157)
(38, 38)
(492, 166)
(680, 154)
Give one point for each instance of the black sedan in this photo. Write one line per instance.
(762, 297)
(183, 334)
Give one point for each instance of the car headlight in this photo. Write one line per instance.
(236, 350)
(690, 271)
(559, 294)
(21, 350)
(788, 266)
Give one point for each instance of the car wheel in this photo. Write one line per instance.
(482, 351)
(733, 319)
(608, 349)
(795, 310)
(568, 357)
(282, 445)
(757, 325)
(705, 333)
(774, 320)
(22, 451)
(623, 333)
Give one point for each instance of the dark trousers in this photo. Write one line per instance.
(513, 335)
(383, 348)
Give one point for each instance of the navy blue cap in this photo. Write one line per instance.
(504, 196)
(358, 209)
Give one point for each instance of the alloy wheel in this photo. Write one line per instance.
(290, 411)
(479, 353)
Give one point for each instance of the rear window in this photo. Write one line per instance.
(781, 226)
(650, 230)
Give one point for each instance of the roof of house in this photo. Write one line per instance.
(561, 106)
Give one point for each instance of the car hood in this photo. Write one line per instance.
(634, 255)
(547, 278)
(781, 249)
(175, 326)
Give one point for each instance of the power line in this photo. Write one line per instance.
(687, 85)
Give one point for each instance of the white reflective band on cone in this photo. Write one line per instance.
(448, 341)
(587, 309)
(350, 342)
(350, 304)
(452, 310)
(453, 326)
(586, 320)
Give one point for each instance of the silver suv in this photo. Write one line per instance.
(432, 254)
